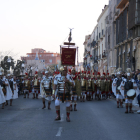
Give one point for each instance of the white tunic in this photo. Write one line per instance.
(15, 96)
(8, 91)
(114, 86)
(2, 98)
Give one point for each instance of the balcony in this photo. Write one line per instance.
(93, 44)
(102, 34)
(104, 54)
(91, 57)
(121, 3)
(88, 44)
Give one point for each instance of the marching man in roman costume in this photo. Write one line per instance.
(108, 86)
(10, 82)
(26, 86)
(129, 91)
(93, 84)
(74, 89)
(119, 97)
(63, 82)
(2, 90)
(98, 84)
(103, 83)
(89, 87)
(83, 86)
(15, 89)
(36, 86)
(46, 89)
(8, 91)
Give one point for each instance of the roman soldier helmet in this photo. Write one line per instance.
(98, 74)
(82, 73)
(128, 70)
(61, 68)
(26, 74)
(73, 68)
(119, 71)
(43, 75)
(93, 75)
(69, 71)
(85, 73)
(107, 75)
(46, 72)
(36, 73)
(104, 74)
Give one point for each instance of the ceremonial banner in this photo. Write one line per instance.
(68, 56)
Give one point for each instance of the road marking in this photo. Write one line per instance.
(62, 118)
(59, 132)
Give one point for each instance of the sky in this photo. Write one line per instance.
(28, 24)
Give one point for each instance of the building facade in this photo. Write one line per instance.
(86, 57)
(124, 39)
(115, 40)
(40, 54)
(102, 61)
(110, 35)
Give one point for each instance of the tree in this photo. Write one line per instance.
(6, 63)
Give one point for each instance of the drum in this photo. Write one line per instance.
(118, 87)
(131, 94)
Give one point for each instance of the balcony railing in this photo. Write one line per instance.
(93, 44)
(104, 55)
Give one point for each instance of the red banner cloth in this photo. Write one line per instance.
(68, 56)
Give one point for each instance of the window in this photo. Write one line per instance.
(50, 60)
(109, 39)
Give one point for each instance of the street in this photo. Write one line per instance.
(94, 120)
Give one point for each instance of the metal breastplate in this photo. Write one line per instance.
(83, 82)
(62, 86)
(47, 84)
(36, 82)
(26, 83)
(99, 83)
(89, 83)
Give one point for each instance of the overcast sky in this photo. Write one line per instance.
(28, 24)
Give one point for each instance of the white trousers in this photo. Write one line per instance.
(118, 96)
(89, 93)
(128, 101)
(57, 103)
